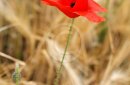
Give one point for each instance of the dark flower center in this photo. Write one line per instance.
(72, 4)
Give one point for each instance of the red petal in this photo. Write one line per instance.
(50, 2)
(95, 7)
(81, 5)
(91, 16)
(84, 5)
(61, 7)
(86, 8)
(66, 2)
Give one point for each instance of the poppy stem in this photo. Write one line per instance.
(62, 61)
(16, 75)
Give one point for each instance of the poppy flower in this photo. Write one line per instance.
(75, 8)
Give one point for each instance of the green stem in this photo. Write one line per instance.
(17, 72)
(61, 64)
(16, 75)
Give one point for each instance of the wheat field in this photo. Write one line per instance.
(34, 36)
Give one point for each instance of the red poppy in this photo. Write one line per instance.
(75, 8)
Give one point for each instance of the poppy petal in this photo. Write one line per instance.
(91, 16)
(66, 2)
(75, 8)
(50, 2)
(95, 7)
(61, 7)
(80, 5)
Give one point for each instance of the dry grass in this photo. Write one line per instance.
(35, 36)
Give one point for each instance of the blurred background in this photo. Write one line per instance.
(34, 36)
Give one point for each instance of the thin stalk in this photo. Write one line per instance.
(62, 61)
(17, 72)
(17, 75)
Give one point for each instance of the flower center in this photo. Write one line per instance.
(72, 4)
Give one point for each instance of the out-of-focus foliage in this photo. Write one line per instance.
(35, 36)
